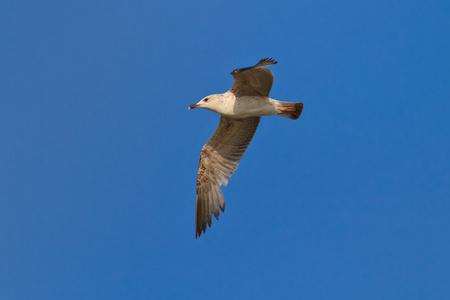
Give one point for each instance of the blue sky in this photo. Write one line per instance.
(99, 153)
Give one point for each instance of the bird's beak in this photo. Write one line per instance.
(193, 106)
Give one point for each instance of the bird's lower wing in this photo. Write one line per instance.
(219, 159)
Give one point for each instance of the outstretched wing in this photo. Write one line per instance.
(253, 81)
(219, 159)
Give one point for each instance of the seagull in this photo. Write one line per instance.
(241, 109)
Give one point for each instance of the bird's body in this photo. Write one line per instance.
(243, 107)
(240, 108)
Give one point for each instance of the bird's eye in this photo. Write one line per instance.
(205, 100)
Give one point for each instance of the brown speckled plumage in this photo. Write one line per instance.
(241, 109)
(253, 81)
(219, 159)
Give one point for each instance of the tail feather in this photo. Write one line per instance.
(291, 110)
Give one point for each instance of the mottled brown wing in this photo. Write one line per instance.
(253, 81)
(219, 159)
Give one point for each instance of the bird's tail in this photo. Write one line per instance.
(291, 110)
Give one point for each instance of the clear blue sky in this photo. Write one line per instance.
(99, 153)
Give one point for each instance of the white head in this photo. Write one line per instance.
(211, 102)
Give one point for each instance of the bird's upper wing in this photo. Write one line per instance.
(219, 159)
(253, 81)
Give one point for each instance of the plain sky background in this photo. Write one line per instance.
(99, 153)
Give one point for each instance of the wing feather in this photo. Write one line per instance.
(253, 81)
(219, 159)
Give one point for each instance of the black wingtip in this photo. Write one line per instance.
(202, 229)
(268, 60)
(198, 233)
(264, 62)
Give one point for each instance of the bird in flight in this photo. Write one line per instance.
(241, 109)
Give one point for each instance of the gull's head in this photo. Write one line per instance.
(210, 102)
